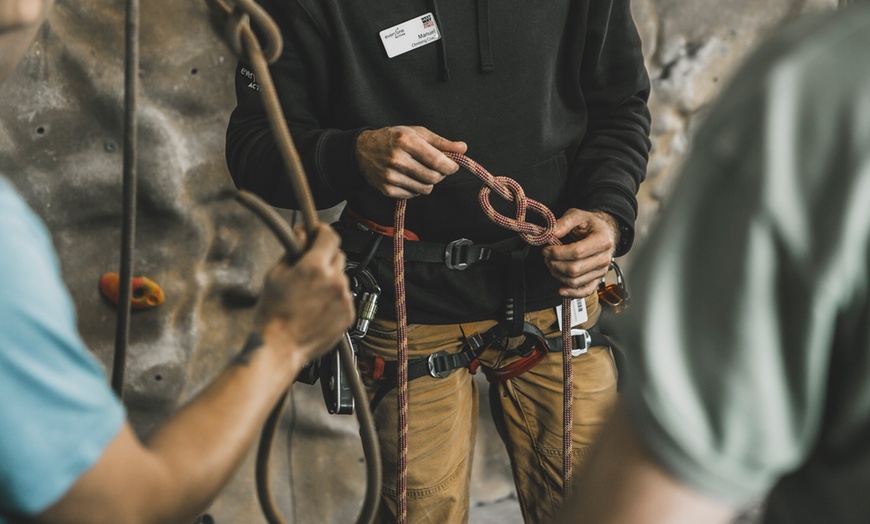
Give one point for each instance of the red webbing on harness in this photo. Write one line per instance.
(533, 234)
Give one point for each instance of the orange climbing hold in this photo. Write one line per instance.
(145, 292)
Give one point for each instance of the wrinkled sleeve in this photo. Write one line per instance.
(739, 288)
(610, 163)
(301, 77)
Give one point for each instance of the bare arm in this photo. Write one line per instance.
(304, 310)
(622, 484)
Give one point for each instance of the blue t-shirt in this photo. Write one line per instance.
(57, 411)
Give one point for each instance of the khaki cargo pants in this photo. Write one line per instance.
(527, 411)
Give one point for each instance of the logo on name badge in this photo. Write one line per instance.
(410, 35)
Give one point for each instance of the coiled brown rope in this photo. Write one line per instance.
(368, 433)
(246, 44)
(533, 234)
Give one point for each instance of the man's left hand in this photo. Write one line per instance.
(590, 239)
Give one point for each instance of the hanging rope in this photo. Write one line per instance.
(533, 234)
(402, 364)
(128, 199)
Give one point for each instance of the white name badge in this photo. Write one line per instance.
(578, 312)
(410, 35)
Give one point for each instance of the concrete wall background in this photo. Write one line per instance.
(60, 143)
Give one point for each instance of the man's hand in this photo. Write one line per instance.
(590, 240)
(306, 307)
(405, 161)
(303, 311)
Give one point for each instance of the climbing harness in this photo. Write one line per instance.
(533, 234)
(441, 364)
(361, 235)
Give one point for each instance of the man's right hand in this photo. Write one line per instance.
(305, 308)
(303, 311)
(405, 161)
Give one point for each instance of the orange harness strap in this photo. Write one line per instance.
(378, 228)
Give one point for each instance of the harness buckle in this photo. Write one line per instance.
(475, 342)
(453, 254)
(580, 336)
(431, 362)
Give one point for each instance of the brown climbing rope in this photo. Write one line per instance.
(245, 43)
(533, 234)
(128, 197)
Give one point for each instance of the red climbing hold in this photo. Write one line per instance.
(145, 292)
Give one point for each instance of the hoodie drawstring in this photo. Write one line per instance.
(487, 65)
(443, 70)
(484, 42)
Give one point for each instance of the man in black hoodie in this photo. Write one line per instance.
(552, 96)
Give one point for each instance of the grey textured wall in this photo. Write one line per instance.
(60, 143)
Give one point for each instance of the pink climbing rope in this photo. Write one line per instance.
(402, 365)
(533, 234)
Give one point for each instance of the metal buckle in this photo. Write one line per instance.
(576, 335)
(431, 362)
(451, 252)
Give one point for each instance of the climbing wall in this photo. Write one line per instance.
(61, 119)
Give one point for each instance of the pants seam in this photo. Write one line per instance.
(419, 493)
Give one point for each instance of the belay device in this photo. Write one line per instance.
(336, 388)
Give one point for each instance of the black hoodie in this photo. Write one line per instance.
(552, 94)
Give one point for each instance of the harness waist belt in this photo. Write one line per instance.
(457, 254)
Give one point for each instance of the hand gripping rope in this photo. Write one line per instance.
(533, 234)
(245, 43)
